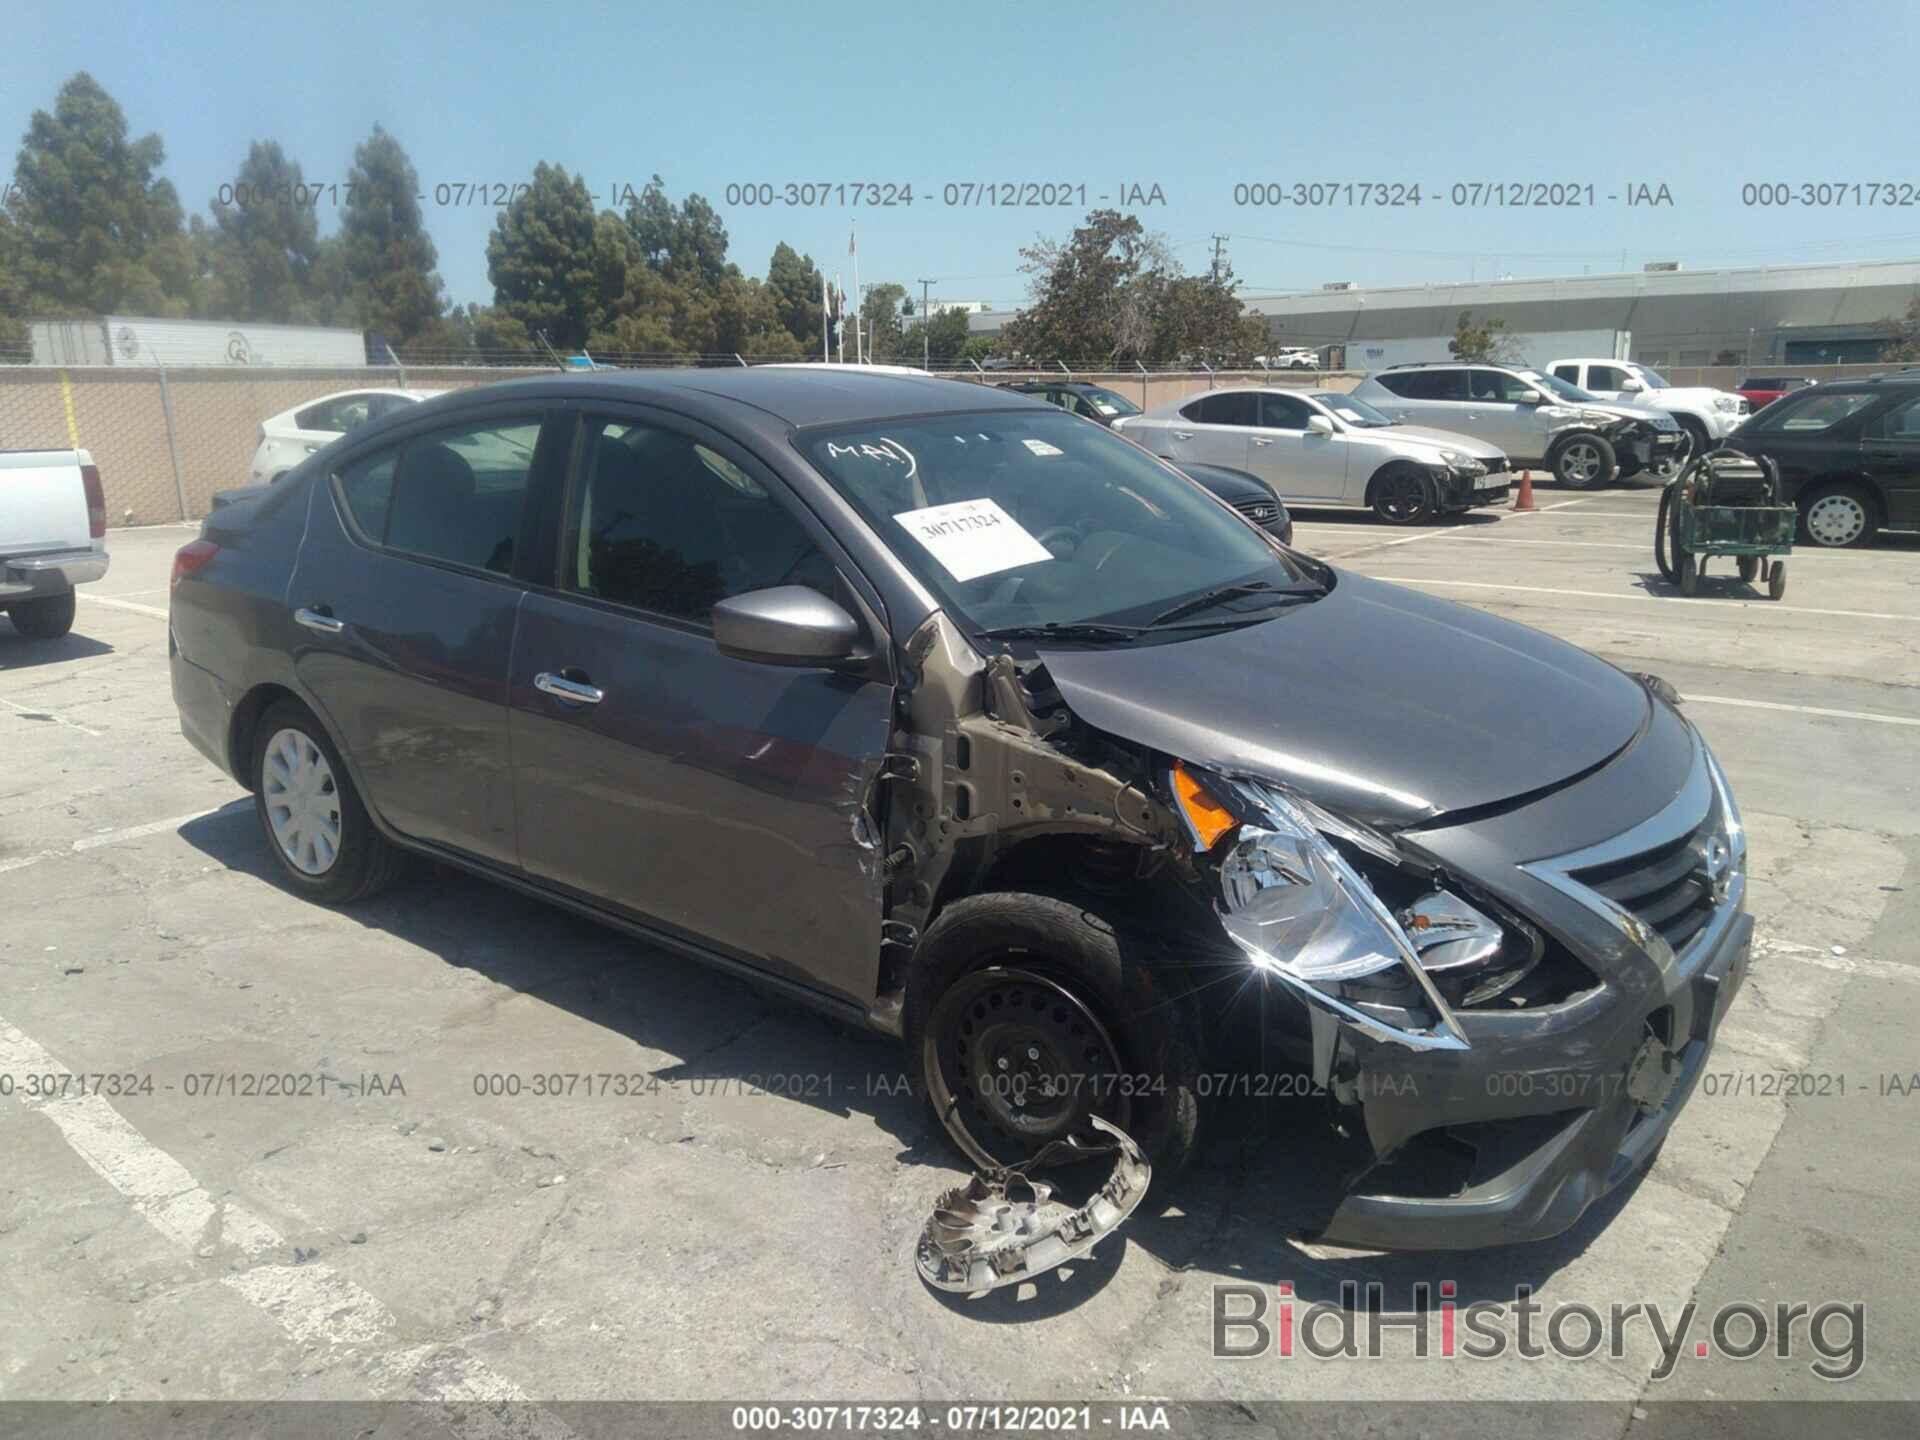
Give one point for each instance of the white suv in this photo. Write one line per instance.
(1537, 419)
(1707, 414)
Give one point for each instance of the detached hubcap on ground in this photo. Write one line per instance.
(1836, 520)
(303, 804)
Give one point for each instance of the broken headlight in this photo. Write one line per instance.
(1302, 913)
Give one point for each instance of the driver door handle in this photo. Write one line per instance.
(1183, 434)
(319, 620)
(574, 692)
(1259, 441)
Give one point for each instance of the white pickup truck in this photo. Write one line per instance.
(53, 527)
(1707, 414)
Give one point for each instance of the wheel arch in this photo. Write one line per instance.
(1398, 464)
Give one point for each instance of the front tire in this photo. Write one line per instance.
(1402, 497)
(1838, 516)
(311, 816)
(1025, 1017)
(1585, 462)
(46, 618)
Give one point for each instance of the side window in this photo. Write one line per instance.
(1605, 377)
(1284, 412)
(337, 416)
(1900, 423)
(1433, 385)
(663, 523)
(1568, 373)
(1234, 407)
(453, 495)
(1192, 412)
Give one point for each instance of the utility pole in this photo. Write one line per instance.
(926, 342)
(1218, 241)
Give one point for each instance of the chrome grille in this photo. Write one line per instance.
(1670, 887)
(1261, 512)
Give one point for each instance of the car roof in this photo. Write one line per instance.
(799, 395)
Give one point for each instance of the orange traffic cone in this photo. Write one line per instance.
(1524, 500)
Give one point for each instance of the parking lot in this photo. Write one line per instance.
(741, 1222)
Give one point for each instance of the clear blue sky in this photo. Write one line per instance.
(1193, 98)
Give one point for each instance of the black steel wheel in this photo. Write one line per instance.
(1400, 497)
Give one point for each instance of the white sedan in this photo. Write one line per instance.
(289, 437)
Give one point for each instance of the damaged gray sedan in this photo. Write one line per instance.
(931, 706)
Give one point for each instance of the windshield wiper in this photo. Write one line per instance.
(1209, 598)
(1063, 630)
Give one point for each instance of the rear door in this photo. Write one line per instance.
(1890, 459)
(405, 597)
(1299, 464)
(1214, 429)
(1436, 398)
(710, 797)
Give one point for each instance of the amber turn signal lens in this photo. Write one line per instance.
(1208, 817)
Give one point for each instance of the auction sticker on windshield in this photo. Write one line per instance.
(971, 538)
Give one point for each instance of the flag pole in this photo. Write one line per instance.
(826, 324)
(853, 249)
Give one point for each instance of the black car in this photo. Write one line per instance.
(1848, 452)
(1077, 397)
(958, 718)
(1247, 495)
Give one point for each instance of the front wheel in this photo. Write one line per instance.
(47, 618)
(1585, 462)
(1400, 497)
(1838, 516)
(1024, 1023)
(312, 817)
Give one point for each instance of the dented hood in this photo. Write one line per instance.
(1377, 701)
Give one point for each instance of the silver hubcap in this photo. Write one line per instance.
(1836, 519)
(303, 804)
(1579, 463)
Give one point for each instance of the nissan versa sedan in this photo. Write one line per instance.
(950, 714)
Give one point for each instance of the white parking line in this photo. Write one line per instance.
(35, 712)
(312, 1302)
(115, 837)
(1878, 719)
(111, 603)
(1718, 602)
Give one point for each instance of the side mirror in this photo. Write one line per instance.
(785, 625)
(1319, 425)
(1532, 397)
(1630, 385)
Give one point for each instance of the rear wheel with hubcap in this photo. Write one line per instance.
(312, 817)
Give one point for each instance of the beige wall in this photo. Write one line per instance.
(118, 414)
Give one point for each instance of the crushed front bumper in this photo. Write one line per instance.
(1535, 1174)
(1463, 490)
(50, 572)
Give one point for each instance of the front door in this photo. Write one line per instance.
(1299, 463)
(711, 797)
(1890, 458)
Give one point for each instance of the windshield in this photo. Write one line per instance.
(1021, 518)
(1554, 385)
(1354, 411)
(1109, 404)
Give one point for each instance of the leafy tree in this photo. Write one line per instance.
(686, 242)
(795, 282)
(880, 313)
(497, 336)
(388, 264)
(1903, 335)
(13, 293)
(543, 258)
(1487, 343)
(945, 338)
(1096, 296)
(96, 229)
(261, 253)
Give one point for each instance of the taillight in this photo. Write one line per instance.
(191, 559)
(96, 501)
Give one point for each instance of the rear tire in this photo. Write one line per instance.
(1776, 579)
(315, 826)
(1839, 517)
(1689, 574)
(1749, 568)
(46, 618)
(1025, 1015)
(1585, 462)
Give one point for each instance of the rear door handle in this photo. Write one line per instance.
(574, 692)
(1183, 434)
(1262, 442)
(319, 620)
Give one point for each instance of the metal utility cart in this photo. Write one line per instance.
(1725, 503)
